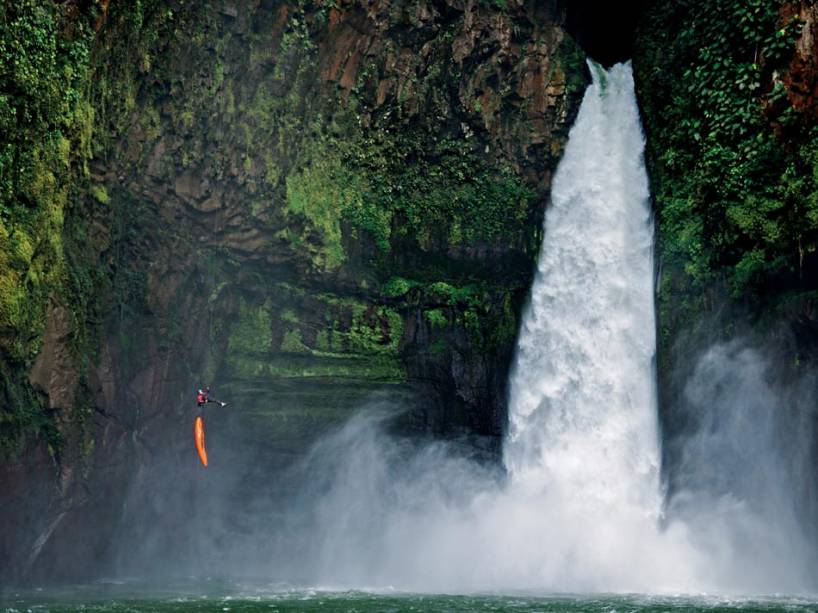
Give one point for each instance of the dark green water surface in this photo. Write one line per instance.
(135, 598)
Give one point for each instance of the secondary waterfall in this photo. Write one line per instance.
(582, 416)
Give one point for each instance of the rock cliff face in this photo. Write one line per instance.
(311, 207)
(800, 78)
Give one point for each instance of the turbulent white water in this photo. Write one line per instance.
(583, 433)
(582, 414)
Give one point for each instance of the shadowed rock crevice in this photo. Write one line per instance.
(604, 29)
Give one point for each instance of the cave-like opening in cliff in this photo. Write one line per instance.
(603, 28)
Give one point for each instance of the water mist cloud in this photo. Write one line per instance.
(743, 461)
(580, 511)
(381, 511)
(377, 510)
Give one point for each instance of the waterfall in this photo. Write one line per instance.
(582, 414)
(583, 429)
(581, 510)
(580, 505)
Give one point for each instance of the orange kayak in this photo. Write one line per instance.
(198, 435)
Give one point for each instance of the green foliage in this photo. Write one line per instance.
(438, 189)
(123, 52)
(570, 61)
(375, 330)
(323, 193)
(100, 194)
(734, 202)
(22, 413)
(46, 124)
(43, 74)
(485, 310)
(74, 81)
(292, 343)
(251, 332)
(491, 329)
(250, 339)
(352, 339)
(436, 318)
(397, 287)
(59, 82)
(469, 295)
(289, 316)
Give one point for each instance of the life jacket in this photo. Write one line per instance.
(201, 398)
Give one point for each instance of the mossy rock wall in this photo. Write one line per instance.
(309, 206)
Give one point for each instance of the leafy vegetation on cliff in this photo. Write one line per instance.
(737, 203)
(312, 146)
(51, 108)
(394, 173)
(46, 122)
(443, 194)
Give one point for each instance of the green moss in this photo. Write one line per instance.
(472, 322)
(187, 118)
(356, 340)
(374, 330)
(322, 343)
(570, 66)
(53, 119)
(292, 343)
(289, 316)
(99, 192)
(323, 172)
(442, 187)
(150, 123)
(23, 414)
(321, 193)
(503, 332)
(251, 334)
(272, 173)
(385, 370)
(396, 287)
(452, 295)
(436, 318)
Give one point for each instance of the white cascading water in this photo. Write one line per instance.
(582, 413)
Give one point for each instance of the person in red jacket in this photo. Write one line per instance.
(203, 397)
